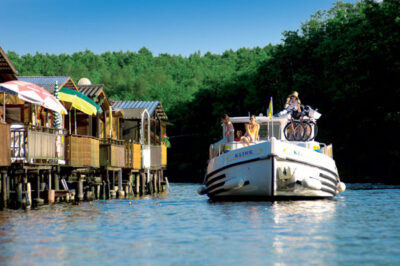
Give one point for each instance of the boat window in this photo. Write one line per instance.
(265, 131)
(239, 126)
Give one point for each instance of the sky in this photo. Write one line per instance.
(165, 26)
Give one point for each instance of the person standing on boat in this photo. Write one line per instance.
(292, 105)
(251, 134)
(228, 128)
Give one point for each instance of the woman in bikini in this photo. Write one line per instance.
(251, 132)
(229, 130)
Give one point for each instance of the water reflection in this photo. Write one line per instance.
(184, 228)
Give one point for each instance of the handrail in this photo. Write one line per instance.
(108, 141)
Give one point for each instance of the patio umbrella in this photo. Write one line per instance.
(32, 93)
(79, 101)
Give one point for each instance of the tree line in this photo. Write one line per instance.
(344, 61)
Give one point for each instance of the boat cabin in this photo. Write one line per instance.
(268, 128)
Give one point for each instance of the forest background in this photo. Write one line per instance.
(344, 61)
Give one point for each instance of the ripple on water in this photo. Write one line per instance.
(359, 226)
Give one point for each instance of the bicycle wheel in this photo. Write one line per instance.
(307, 131)
(315, 130)
(289, 131)
(298, 131)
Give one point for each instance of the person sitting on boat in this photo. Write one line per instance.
(228, 129)
(251, 134)
(239, 135)
(292, 105)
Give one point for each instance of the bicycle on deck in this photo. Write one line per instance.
(303, 126)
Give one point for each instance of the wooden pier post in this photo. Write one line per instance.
(57, 179)
(4, 188)
(121, 192)
(150, 184)
(137, 182)
(163, 187)
(38, 200)
(80, 189)
(28, 195)
(19, 195)
(160, 180)
(97, 191)
(108, 185)
(155, 181)
(143, 183)
(104, 189)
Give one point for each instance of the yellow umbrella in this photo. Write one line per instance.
(79, 101)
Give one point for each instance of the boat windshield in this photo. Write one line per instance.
(266, 132)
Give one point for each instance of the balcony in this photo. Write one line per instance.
(158, 156)
(82, 151)
(133, 156)
(112, 153)
(36, 145)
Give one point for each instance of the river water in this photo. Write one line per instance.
(361, 226)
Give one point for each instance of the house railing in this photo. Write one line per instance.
(36, 144)
(133, 155)
(158, 156)
(82, 151)
(112, 153)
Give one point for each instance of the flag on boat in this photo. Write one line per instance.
(270, 109)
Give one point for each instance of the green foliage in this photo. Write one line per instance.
(171, 79)
(344, 61)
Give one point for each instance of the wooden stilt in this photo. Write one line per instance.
(4, 189)
(137, 182)
(28, 195)
(143, 183)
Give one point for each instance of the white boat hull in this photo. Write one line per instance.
(271, 169)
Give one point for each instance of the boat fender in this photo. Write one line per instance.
(201, 190)
(341, 186)
(234, 183)
(312, 183)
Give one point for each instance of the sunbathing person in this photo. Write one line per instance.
(251, 132)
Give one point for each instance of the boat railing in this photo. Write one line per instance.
(220, 147)
(326, 149)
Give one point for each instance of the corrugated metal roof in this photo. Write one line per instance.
(151, 106)
(132, 113)
(7, 69)
(47, 83)
(91, 90)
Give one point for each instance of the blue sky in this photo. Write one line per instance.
(168, 26)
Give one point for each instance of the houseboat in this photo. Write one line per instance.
(271, 167)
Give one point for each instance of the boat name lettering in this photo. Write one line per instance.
(244, 153)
